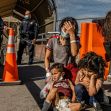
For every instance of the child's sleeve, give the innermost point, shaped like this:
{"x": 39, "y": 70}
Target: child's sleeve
{"x": 44, "y": 92}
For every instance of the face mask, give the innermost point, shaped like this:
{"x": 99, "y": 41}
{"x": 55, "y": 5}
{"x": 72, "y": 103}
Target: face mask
{"x": 64, "y": 34}
{"x": 27, "y": 17}
{"x": 61, "y": 78}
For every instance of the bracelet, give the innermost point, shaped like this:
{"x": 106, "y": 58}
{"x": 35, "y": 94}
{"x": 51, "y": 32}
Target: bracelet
{"x": 73, "y": 41}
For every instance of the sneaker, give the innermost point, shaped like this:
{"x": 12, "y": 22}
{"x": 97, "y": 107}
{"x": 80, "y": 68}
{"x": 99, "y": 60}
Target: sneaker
{"x": 98, "y": 107}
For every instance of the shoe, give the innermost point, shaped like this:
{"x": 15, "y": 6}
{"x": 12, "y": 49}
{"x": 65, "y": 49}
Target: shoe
{"x": 18, "y": 63}
{"x": 30, "y": 63}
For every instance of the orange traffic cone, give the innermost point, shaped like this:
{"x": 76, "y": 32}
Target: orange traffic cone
{"x": 10, "y": 74}
{"x": 92, "y": 40}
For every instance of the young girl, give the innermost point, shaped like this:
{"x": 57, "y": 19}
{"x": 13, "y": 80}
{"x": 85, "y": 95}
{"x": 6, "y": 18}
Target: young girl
{"x": 89, "y": 79}
{"x": 61, "y": 91}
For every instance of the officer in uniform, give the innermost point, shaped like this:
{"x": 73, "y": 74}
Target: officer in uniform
{"x": 1, "y": 30}
{"x": 28, "y": 34}
{"x": 1, "y": 37}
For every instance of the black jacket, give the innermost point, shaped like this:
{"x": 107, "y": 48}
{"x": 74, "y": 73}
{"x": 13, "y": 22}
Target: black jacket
{"x": 28, "y": 28}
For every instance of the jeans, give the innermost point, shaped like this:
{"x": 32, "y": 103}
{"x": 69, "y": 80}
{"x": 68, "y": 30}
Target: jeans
{"x": 82, "y": 95}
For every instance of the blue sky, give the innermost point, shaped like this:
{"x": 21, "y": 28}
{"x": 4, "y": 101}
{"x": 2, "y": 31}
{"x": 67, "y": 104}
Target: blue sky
{"x": 83, "y": 8}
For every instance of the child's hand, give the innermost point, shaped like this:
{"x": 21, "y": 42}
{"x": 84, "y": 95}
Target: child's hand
{"x": 94, "y": 76}
{"x": 48, "y": 79}
{"x": 85, "y": 83}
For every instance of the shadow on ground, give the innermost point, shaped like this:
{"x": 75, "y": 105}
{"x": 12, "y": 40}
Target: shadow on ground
{"x": 29, "y": 74}
{"x": 35, "y": 92}
{"x": 107, "y": 87}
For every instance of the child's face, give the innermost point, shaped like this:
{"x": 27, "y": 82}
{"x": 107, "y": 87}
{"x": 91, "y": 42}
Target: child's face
{"x": 85, "y": 73}
{"x": 56, "y": 74}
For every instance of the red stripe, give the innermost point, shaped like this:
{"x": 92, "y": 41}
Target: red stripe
{"x": 49, "y": 48}
{"x": 55, "y": 36}
{"x": 11, "y": 45}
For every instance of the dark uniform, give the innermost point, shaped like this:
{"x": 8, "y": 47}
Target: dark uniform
{"x": 1, "y": 37}
{"x": 28, "y": 32}
{"x": 1, "y": 30}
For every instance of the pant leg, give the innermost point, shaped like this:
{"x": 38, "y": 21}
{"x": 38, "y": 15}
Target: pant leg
{"x": 31, "y": 52}
{"x": 81, "y": 93}
{"x": 46, "y": 106}
{"x": 1, "y": 38}
{"x": 0, "y": 47}
{"x": 22, "y": 45}
{"x": 99, "y": 96}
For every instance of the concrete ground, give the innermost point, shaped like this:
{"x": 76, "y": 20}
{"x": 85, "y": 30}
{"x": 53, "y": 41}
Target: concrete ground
{"x": 24, "y": 97}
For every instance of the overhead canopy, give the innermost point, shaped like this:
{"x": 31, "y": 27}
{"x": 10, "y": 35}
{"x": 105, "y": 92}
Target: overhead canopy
{"x": 6, "y": 7}
{"x": 42, "y": 10}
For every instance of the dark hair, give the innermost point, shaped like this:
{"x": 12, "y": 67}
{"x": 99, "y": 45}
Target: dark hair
{"x": 93, "y": 62}
{"x": 106, "y": 29}
{"x": 72, "y": 20}
{"x": 58, "y": 66}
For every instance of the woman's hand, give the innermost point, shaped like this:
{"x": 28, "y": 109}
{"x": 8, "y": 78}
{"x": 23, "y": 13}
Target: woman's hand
{"x": 69, "y": 27}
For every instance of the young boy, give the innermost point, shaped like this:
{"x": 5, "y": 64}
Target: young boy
{"x": 61, "y": 91}
{"x": 89, "y": 79}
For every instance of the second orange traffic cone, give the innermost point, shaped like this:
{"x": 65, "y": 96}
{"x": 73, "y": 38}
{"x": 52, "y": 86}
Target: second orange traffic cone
{"x": 92, "y": 40}
{"x": 10, "y": 74}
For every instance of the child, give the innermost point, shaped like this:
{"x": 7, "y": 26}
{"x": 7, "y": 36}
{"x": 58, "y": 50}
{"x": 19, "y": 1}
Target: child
{"x": 61, "y": 91}
{"x": 89, "y": 79}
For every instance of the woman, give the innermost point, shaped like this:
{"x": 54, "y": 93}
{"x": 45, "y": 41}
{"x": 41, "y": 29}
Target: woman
{"x": 64, "y": 47}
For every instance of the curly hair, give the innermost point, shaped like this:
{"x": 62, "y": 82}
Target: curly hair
{"x": 72, "y": 20}
{"x": 93, "y": 62}
{"x": 106, "y": 29}
{"x": 58, "y": 66}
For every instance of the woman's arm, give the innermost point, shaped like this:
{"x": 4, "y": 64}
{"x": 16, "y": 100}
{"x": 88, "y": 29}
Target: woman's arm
{"x": 47, "y": 59}
{"x": 73, "y": 44}
{"x": 71, "y": 30}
